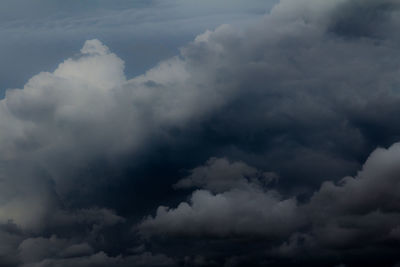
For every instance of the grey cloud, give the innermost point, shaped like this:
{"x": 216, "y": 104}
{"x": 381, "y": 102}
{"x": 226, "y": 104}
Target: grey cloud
{"x": 238, "y": 208}
{"x": 102, "y": 259}
{"x": 373, "y": 188}
{"x": 354, "y": 215}
{"x": 84, "y": 109}
{"x": 55, "y": 251}
{"x": 357, "y": 214}
{"x": 219, "y": 175}
{"x": 349, "y": 22}
{"x": 289, "y": 95}
{"x": 362, "y": 209}
{"x": 37, "y": 249}
{"x": 22, "y": 242}
{"x": 233, "y": 213}
{"x": 10, "y": 237}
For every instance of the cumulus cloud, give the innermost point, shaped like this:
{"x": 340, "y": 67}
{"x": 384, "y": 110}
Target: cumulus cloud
{"x": 235, "y": 206}
{"x": 220, "y": 175}
{"x": 228, "y": 214}
{"x": 86, "y": 110}
{"x": 359, "y": 209}
{"x": 299, "y": 94}
{"x": 355, "y": 213}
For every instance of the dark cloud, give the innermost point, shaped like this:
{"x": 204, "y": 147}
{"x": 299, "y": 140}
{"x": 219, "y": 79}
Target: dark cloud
{"x": 102, "y": 259}
{"x": 363, "y": 19}
{"x": 303, "y": 96}
{"x": 341, "y": 220}
{"x": 219, "y": 175}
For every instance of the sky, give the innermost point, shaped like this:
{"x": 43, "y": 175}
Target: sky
{"x": 38, "y": 35}
{"x": 199, "y": 133}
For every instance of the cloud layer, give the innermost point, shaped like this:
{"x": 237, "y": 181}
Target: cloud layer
{"x": 342, "y": 219}
{"x": 304, "y": 96}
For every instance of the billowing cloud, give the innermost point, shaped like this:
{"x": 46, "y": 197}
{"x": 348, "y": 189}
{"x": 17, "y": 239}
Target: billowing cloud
{"x": 230, "y": 213}
{"x": 365, "y": 208}
{"x": 305, "y": 95}
{"x": 219, "y": 175}
{"x": 240, "y": 208}
{"x": 353, "y": 215}
{"x": 36, "y": 36}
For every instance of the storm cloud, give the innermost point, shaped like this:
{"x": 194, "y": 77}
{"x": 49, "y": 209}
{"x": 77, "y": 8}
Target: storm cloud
{"x": 282, "y": 136}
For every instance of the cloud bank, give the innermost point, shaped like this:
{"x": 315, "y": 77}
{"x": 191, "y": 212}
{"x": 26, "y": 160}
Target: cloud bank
{"x": 304, "y": 96}
{"x": 342, "y": 219}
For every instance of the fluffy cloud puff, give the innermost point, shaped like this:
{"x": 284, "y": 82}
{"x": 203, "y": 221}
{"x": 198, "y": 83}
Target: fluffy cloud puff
{"x": 359, "y": 209}
{"x": 84, "y": 110}
{"x": 219, "y": 175}
{"x": 49, "y": 132}
{"x": 240, "y": 208}
{"x": 356, "y": 214}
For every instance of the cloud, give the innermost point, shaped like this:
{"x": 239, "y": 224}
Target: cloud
{"x": 219, "y": 175}
{"x": 102, "y": 259}
{"x": 299, "y": 95}
{"x": 233, "y": 202}
{"x": 364, "y": 208}
{"x": 34, "y": 140}
{"x": 234, "y": 213}
{"x": 54, "y": 251}
{"x": 85, "y": 110}
{"x": 37, "y": 36}
{"x": 36, "y": 249}
{"x": 373, "y": 23}
{"x": 356, "y": 214}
